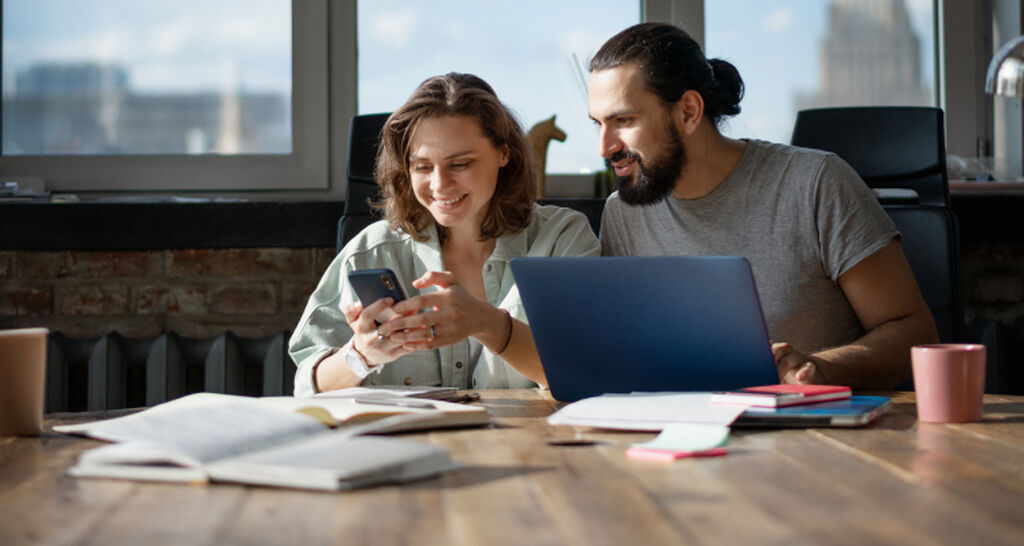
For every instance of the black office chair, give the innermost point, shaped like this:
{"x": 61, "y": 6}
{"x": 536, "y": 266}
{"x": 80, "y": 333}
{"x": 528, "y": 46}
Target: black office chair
{"x": 363, "y": 138}
{"x": 902, "y": 147}
{"x": 889, "y": 146}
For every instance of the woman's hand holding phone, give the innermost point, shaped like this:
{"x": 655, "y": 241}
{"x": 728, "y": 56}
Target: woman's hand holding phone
{"x": 449, "y": 315}
{"x": 376, "y": 349}
{"x": 390, "y": 326}
{"x": 378, "y": 290}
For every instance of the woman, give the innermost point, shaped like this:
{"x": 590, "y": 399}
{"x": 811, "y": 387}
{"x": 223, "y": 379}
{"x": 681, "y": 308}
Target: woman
{"x": 458, "y": 184}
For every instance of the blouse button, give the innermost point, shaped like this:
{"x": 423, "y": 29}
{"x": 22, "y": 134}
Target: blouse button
{"x": 408, "y": 381}
{"x": 488, "y": 268}
{"x": 458, "y": 364}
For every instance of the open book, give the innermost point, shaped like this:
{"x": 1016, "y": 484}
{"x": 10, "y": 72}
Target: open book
{"x": 279, "y": 441}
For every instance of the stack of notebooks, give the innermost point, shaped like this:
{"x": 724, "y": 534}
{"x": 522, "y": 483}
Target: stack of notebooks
{"x": 802, "y": 406}
{"x": 310, "y": 443}
{"x": 770, "y": 406}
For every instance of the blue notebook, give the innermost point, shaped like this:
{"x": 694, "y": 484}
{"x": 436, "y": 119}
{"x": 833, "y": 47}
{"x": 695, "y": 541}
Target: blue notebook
{"x": 858, "y": 410}
{"x": 642, "y": 324}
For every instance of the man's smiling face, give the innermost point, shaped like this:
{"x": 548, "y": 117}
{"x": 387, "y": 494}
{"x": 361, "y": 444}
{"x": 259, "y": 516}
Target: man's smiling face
{"x": 638, "y": 138}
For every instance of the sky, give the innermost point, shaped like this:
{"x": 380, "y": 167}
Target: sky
{"x": 533, "y": 53}
{"x": 182, "y": 45}
{"x": 525, "y": 52}
{"x": 775, "y": 45}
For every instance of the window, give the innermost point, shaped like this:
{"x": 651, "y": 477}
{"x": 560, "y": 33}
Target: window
{"x": 189, "y": 95}
{"x": 533, "y": 52}
{"x": 294, "y": 146}
{"x": 122, "y": 77}
{"x": 816, "y": 53}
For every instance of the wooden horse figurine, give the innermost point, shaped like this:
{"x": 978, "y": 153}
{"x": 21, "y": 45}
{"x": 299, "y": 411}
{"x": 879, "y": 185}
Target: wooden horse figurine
{"x": 539, "y": 135}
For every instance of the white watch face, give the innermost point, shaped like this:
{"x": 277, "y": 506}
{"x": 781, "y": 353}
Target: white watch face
{"x": 356, "y": 363}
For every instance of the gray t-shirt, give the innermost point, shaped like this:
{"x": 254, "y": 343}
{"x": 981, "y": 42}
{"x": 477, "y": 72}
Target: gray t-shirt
{"x": 801, "y": 217}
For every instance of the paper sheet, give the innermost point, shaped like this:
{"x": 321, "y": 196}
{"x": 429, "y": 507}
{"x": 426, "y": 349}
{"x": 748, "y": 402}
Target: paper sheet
{"x": 689, "y": 437}
{"x": 645, "y": 411}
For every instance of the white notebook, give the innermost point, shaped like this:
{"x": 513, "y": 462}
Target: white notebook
{"x": 288, "y": 443}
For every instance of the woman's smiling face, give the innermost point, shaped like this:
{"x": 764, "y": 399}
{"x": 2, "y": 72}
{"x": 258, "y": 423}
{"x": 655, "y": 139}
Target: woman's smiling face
{"x": 453, "y": 168}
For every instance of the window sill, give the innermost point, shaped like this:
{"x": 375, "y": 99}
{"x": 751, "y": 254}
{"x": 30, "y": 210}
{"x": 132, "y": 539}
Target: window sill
{"x": 138, "y": 226}
{"x": 984, "y": 216}
{"x": 142, "y": 226}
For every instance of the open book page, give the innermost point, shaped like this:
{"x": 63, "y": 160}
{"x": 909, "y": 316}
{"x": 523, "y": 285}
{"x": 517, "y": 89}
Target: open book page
{"x": 645, "y": 411}
{"x": 352, "y": 411}
{"x": 335, "y": 460}
{"x": 145, "y": 461}
{"x": 128, "y": 469}
{"x": 184, "y": 439}
{"x": 199, "y": 428}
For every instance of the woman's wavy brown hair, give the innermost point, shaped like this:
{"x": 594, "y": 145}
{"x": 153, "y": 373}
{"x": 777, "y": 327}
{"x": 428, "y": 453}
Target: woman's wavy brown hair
{"x": 455, "y": 94}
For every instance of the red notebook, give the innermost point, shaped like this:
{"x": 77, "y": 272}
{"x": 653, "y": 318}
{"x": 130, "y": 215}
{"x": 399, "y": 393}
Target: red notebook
{"x": 777, "y": 396}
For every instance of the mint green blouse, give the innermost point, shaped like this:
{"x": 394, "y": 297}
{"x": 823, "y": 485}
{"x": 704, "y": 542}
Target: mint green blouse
{"x": 553, "y": 231}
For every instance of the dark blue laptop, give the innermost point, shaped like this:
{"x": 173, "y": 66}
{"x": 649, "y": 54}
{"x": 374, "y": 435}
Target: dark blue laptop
{"x": 625, "y": 324}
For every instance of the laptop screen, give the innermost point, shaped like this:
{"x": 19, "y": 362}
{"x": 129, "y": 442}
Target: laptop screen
{"x": 625, "y": 324}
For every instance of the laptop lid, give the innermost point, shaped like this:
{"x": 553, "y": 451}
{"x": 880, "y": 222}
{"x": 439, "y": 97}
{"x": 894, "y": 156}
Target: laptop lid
{"x": 625, "y": 324}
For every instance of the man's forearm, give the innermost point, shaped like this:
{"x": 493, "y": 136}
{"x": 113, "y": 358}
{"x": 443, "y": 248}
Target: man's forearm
{"x": 878, "y": 360}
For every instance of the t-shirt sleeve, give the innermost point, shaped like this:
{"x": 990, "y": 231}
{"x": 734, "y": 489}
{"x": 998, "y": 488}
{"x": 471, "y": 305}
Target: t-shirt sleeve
{"x": 851, "y": 223}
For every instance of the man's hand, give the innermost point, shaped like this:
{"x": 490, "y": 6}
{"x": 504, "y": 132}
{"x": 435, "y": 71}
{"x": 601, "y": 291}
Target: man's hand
{"x": 793, "y": 366}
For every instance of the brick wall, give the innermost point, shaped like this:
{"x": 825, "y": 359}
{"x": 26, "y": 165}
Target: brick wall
{"x": 253, "y": 292}
{"x": 262, "y": 291}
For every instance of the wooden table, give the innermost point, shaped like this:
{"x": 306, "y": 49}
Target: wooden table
{"x": 895, "y": 481}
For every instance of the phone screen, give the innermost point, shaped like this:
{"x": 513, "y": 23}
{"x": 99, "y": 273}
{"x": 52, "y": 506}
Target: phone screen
{"x": 375, "y": 284}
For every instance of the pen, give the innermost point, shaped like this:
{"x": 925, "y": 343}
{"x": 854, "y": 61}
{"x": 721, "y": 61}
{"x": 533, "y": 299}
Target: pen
{"x": 401, "y": 403}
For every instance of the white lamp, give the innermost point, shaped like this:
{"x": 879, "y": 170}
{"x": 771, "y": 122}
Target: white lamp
{"x": 1006, "y": 71}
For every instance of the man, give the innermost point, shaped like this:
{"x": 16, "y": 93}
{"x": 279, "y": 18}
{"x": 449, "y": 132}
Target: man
{"x": 838, "y": 294}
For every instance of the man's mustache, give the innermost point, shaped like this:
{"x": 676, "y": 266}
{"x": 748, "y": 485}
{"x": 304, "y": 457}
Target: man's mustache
{"x": 619, "y": 156}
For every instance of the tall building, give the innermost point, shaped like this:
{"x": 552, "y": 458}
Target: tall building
{"x": 870, "y": 55}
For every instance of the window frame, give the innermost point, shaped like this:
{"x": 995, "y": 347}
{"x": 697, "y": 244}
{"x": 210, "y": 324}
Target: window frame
{"x": 305, "y": 168}
{"x": 963, "y": 48}
{"x": 324, "y": 79}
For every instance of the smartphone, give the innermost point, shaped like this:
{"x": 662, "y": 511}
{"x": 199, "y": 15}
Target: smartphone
{"x": 375, "y": 284}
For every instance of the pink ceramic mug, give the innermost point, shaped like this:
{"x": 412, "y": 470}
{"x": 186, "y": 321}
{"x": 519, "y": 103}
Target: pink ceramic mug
{"x": 949, "y": 380}
{"x": 22, "y": 381}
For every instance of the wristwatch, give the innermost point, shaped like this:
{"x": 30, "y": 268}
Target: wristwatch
{"x": 356, "y": 364}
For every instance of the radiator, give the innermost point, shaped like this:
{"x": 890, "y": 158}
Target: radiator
{"x": 113, "y": 372}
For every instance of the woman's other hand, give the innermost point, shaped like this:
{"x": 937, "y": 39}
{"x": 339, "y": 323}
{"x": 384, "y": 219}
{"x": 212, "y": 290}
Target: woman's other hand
{"x": 450, "y": 315}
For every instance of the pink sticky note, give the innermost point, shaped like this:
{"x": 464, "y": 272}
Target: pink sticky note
{"x": 667, "y": 455}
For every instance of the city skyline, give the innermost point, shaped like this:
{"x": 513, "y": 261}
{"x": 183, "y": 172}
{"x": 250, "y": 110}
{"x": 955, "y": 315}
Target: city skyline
{"x": 91, "y": 108}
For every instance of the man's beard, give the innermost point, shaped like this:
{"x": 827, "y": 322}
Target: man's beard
{"x": 652, "y": 183}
